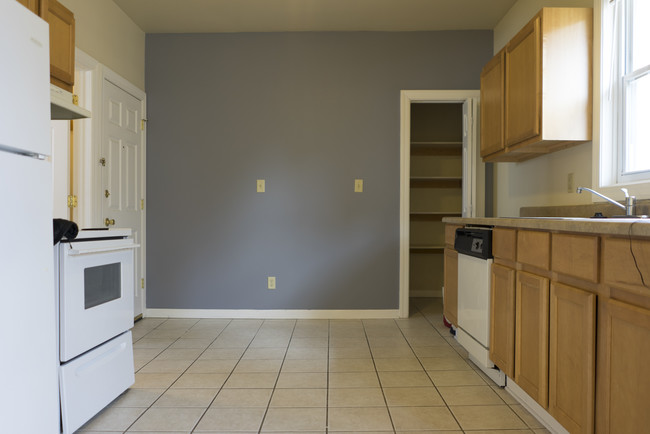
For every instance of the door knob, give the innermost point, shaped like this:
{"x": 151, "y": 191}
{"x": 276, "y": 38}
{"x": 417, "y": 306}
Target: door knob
{"x": 109, "y": 222}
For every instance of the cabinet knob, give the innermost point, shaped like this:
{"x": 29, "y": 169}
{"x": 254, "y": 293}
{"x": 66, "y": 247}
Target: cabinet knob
{"x": 109, "y": 222}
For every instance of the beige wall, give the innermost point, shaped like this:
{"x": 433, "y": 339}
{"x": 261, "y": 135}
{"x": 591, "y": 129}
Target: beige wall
{"x": 541, "y": 181}
{"x": 107, "y": 34}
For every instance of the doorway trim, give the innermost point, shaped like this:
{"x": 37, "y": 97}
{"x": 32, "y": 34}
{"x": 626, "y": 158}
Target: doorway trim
{"x": 90, "y": 76}
{"x": 107, "y": 74}
{"x": 434, "y": 96}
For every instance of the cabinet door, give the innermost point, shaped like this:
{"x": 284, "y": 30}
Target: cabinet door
{"x": 531, "y": 336}
{"x": 492, "y": 82}
{"x": 450, "y": 309}
{"x": 572, "y": 356}
{"x": 523, "y": 85}
{"x": 502, "y": 319}
{"x": 61, "y": 22}
{"x": 32, "y": 5}
{"x": 623, "y": 369}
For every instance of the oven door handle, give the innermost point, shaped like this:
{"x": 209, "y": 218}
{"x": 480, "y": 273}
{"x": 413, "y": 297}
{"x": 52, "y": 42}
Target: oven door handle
{"x": 78, "y": 252}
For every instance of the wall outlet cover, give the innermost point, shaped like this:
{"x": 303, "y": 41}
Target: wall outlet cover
{"x": 271, "y": 282}
{"x": 261, "y": 185}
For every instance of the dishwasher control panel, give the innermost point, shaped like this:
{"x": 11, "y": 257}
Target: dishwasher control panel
{"x": 475, "y": 242}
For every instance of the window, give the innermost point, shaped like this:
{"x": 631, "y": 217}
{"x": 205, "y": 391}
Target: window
{"x": 626, "y": 90}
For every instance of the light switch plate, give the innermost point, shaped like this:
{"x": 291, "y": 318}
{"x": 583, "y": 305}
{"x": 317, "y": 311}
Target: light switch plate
{"x": 358, "y": 185}
{"x": 271, "y": 282}
{"x": 261, "y": 186}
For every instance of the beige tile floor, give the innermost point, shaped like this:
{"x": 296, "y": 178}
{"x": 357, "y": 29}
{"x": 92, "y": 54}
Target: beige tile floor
{"x": 308, "y": 376}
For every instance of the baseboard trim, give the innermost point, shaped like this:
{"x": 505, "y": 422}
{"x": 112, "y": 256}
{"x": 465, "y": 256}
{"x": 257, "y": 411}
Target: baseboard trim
{"x": 436, "y": 293}
{"x": 273, "y": 313}
{"x": 534, "y": 408}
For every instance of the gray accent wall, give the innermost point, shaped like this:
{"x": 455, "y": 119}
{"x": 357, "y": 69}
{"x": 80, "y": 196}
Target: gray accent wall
{"x": 309, "y": 113}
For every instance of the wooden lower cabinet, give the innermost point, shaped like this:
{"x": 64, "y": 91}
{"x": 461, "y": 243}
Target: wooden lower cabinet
{"x": 572, "y": 355}
{"x": 502, "y": 319}
{"x": 450, "y": 309}
{"x": 623, "y": 384}
{"x": 531, "y": 336}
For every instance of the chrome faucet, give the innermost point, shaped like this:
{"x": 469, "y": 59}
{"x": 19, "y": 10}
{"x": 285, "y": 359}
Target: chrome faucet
{"x": 630, "y": 201}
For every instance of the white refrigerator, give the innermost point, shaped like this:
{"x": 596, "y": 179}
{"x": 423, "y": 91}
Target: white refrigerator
{"x": 28, "y": 361}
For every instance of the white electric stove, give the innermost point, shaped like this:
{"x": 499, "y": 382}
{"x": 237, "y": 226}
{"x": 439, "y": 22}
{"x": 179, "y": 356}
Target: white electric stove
{"x": 95, "y": 289}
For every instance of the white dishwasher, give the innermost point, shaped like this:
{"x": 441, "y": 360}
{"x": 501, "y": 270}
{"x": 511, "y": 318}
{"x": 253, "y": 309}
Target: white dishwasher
{"x": 474, "y": 247}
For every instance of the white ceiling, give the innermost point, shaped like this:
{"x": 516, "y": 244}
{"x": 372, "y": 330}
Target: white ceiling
{"x": 207, "y": 16}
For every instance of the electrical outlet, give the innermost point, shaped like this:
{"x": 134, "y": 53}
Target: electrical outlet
{"x": 271, "y": 282}
{"x": 358, "y": 185}
{"x": 570, "y": 185}
{"x": 261, "y": 186}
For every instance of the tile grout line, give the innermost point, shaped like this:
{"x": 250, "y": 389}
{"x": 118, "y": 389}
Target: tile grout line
{"x": 327, "y": 378}
{"x": 182, "y": 373}
{"x": 403, "y": 328}
{"x": 474, "y": 370}
{"x": 427, "y": 372}
{"x": 381, "y": 386}
{"x": 227, "y": 376}
{"x": 168, "y": 387}
{"x": 277, "y": 378}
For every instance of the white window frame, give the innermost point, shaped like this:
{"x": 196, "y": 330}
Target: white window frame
{"x": 608, "y": 128}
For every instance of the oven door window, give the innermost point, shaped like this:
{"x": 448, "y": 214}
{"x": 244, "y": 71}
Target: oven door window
{"x": 102, "y": 284}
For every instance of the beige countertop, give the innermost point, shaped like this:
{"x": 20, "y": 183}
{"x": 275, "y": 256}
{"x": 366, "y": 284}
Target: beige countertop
{"x": 608, "y": 226}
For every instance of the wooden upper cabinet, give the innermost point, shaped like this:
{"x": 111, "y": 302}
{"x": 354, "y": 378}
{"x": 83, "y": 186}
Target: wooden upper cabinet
{"x": 61, "y": 21}
{"x": 523, "y": 87}
{"x": 492, "y": 94}
{"x": 32, "y": 5}
{"x": 547, "y": 81}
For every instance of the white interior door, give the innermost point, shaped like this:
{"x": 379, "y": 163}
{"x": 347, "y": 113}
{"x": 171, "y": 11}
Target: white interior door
{"x": 122, "y": 156}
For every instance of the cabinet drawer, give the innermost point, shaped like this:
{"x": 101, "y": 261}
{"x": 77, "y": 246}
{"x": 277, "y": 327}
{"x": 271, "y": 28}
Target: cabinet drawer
{"x": 621, "y": 267}
{"x": 575, "y": 255}
{"x": 534, "y": 248}
{"x": 450, "y": 234}
{"x": 91, "y": 381}
{"x": 504, "y": 243}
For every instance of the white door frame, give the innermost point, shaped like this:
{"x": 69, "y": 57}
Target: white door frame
{"x": 470, "y": 156}
{"x": 88, "y": 137}
{"x": 88, "y": 88}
